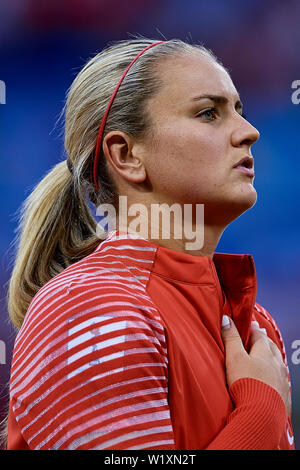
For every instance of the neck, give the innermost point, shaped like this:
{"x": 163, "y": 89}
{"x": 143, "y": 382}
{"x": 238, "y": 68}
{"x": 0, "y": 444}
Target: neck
{"x": 171, "y": 226}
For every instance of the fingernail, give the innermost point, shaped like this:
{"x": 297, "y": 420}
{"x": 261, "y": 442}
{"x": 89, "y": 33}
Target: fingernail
{"x": 225, "y": 322}
{"x": 263, "y": 330}
{"x": 255, "y": 323}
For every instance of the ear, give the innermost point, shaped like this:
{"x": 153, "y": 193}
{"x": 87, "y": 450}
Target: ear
{"x": 121, "y": 152}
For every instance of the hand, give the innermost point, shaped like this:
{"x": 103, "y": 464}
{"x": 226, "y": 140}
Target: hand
{"x": 264, "y": 361}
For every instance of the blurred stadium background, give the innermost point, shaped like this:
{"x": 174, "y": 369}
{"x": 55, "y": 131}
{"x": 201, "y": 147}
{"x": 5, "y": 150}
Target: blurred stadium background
{"x": 43, "y": 44}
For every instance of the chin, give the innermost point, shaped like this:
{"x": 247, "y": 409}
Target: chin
{"x": 242, "y": 203}
{"x": 249, "y": 198}
{"x": 225, "y": 211}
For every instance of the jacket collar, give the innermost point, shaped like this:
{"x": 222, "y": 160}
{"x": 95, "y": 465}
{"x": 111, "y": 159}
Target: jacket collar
{"x": 233, "y": 275}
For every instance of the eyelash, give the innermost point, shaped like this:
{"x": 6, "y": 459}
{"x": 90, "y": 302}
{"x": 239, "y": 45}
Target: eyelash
{"x": 214, "y": 110}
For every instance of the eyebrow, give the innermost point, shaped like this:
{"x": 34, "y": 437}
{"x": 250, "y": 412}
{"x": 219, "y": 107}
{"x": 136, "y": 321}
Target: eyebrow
{"x": 217, "y": 99}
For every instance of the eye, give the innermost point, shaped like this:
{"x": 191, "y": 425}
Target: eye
{"x": 242, "y": 114}
{"x": 208, "y": 114}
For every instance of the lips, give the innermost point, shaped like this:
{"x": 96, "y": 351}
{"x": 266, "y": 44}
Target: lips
{"x": 245, "y": 165}
{"x": 246, "y": 162}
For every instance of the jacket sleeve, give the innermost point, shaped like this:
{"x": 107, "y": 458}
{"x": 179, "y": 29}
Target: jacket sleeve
{"x": 259, "y": 420}
{"x": 90, "y": 372}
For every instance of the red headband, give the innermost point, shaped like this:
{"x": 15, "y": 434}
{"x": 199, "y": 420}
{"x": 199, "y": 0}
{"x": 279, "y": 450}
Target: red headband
{"x": 103, "y": 122}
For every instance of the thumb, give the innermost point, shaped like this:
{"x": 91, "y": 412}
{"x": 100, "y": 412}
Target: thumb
{"x": 231, "y": 338}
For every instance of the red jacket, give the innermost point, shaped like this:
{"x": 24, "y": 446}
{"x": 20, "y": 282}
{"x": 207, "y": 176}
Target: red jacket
{"x": 123, "y": 350}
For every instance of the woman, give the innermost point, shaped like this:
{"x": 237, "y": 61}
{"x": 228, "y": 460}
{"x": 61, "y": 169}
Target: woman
{"x": 145, "y": 341}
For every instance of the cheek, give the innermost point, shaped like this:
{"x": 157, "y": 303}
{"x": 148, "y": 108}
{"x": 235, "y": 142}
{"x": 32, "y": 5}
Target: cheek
{"x": 187, "y": 157}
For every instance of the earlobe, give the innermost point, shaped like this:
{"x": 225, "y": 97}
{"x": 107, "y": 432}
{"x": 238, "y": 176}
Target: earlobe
{"x": 118, "y": 150}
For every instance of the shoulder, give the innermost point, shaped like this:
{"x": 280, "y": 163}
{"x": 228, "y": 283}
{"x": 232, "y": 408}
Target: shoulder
{"x": 87, "y": 303}
{"x": 91, "y": 338}
{"x": 90, "y": 285}
{"x": 81, "y": 313}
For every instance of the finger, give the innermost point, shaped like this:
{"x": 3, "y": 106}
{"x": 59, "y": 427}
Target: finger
{"x": 231, "y": 337}
{"x": 272, "y": 346}
{"x": 258, "y": 338}
{"x": 276, "y": 351}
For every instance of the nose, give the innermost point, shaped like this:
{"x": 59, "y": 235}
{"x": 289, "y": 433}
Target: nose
{"x": 244, "y": 133}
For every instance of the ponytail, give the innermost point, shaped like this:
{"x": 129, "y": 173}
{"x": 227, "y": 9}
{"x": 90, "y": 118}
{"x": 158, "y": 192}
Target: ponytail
{"x": 56, "y": 229}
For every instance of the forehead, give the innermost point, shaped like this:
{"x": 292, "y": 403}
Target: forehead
{"x": 186, "y": 76}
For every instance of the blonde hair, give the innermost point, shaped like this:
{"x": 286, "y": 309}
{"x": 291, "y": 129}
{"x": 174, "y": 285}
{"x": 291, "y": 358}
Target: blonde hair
{"x": 56, "y": 226}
